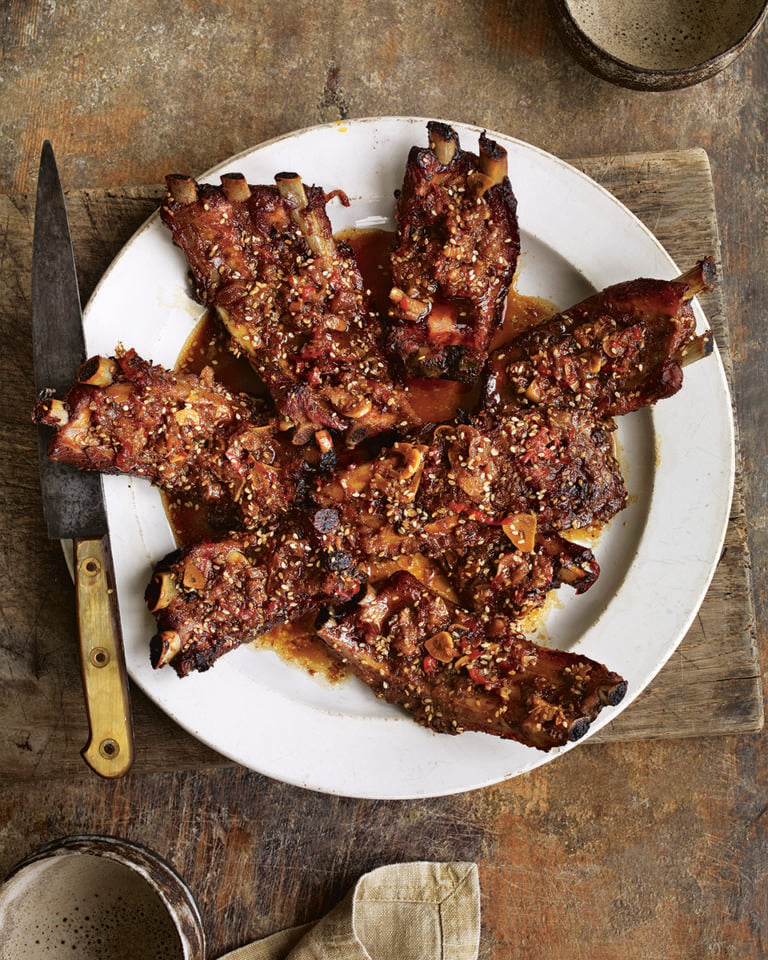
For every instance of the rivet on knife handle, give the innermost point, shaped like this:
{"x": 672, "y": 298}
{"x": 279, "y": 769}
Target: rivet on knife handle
{"x": 109, "y": 752}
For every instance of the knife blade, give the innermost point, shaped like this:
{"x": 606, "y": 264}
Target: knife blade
{"x": 73, "y": 500}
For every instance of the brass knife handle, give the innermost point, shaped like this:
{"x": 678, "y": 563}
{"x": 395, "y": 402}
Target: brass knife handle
{"x": 109, "y": 751}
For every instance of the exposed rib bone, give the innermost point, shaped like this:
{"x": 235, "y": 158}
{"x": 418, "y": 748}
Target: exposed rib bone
{"x": 51, "y": 412}
{"x": 161, "y": 591}
{"x": 235, "y": 187}
{"x": 492, "y": 159}
{"x": 319, "y": 239}
{"x": 98, "y": 371}
{"x": 699, "y": 279}
{"x": 182, "y": 189}
{"x": 696, "y": 349}
{"x": 164, "y": 647}
{"x": 443, "y": 141}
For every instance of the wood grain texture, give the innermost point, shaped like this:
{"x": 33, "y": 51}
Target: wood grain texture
{"x": 711, "y": 685}
{"x": 652, "y": 849}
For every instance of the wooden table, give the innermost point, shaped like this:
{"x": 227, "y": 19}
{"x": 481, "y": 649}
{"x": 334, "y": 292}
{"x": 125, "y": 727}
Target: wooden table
{"x": 640, "y": 848}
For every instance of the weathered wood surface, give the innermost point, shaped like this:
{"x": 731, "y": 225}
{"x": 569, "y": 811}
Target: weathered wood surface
{"x": 641, "y": 850}
{"x": 711, "y": 685}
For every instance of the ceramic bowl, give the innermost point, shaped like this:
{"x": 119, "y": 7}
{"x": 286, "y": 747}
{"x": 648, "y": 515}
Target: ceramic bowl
{"x": 94, "y": 897}
{"x": 658, "y": 44}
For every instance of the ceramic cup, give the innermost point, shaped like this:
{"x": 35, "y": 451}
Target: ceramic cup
{"x": 98, "y": 897}
{"x": 658, "y": 44}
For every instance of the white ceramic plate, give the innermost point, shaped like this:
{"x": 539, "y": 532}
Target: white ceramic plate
{"x": 657, "y": 557}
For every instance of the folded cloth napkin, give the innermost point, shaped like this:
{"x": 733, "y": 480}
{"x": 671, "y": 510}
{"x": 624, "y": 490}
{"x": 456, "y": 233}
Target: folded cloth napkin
{"x": 406, "y": 911}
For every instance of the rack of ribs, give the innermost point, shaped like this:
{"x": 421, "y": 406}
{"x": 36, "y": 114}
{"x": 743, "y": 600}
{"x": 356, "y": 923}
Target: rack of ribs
{"x": 476, "y": 507}
{"x": 211, "y": 597}
{"x": 479, "y": 505}
{"x": 292, "y": 301}
{"x": 214, "y": 596}
{"x": 538, "y": 471}
{"x": 619, "y": 350}
{"x": 454, "y": 672}
{"x": 455, "y": 253}
{"x": 497, "y": 576}
{"x": 187, "y": 434}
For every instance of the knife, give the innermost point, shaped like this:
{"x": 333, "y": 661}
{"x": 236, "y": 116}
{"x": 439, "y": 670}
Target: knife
{"x": 73, "y": 500}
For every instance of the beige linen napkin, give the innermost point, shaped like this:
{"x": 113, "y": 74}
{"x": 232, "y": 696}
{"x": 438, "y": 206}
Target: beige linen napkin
{"x": 406, "y": 911}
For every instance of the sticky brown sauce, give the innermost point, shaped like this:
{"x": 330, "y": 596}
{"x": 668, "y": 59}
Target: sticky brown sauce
{"x": 434, "y": 400}
{"x": 298, "y": 644}
{"x": 437, "y": 400}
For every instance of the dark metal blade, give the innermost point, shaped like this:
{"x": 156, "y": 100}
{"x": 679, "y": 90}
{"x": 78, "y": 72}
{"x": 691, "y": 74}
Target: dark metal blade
{"x": 72, "y": 500}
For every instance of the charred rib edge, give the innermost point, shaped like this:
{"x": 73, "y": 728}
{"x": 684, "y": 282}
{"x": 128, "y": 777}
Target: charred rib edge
{"x": 443, "y": 141}
{"x": 612, "y": 696}
{"x": 699, "y": 279}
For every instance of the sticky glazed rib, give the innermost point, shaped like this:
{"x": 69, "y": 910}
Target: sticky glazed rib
{"x": 212, "y": 597}
{"x": 617, "y": 351}
{"x": 539, "y": 471}
{"x": 499, "y": 577}
{"x": 187, "y": 434}
{"x": 453, "y": 673}
{"x": 454, "y": 257}
{"x": 292, "y": 301}
{"x": 496, "y": 577}
{"x": 484, "y": 504}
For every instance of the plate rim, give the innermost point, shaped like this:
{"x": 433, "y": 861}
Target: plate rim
{"x": 413, "y": 122}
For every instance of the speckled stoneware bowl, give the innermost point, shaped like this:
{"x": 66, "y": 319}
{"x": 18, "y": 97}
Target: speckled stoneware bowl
{"x": 98, "y": 897}
{"x": 658, "y": 44}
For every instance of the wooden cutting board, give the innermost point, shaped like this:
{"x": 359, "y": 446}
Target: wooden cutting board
{"x": 710, "y": 686}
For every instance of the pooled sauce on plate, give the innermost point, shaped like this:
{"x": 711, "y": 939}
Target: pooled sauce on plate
{"x": 435, "y": 400}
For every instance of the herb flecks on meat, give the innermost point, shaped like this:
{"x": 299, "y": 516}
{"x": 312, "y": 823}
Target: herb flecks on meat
{"x": 190, "y": 436}
{"x": 619, "y": 350}
{"x": 452, "y": 672}
{"x": 292, "y": 301}
{"x": 454, "y": 256}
